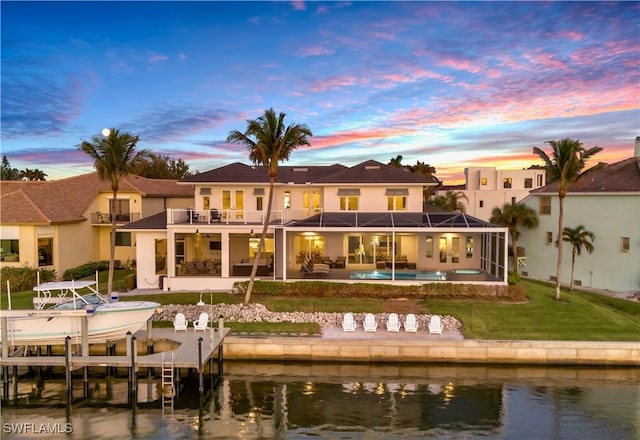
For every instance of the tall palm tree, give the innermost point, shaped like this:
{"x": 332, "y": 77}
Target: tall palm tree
{"x": 565, "y": 165}
{"x": 579, "y": 238}
{"x": 512, "y": 216}
{"x": 114, "y": 156}
{"x": 396, "y": 161}
{"x": 269, "y": 142}
{"x": 450, "y": 201}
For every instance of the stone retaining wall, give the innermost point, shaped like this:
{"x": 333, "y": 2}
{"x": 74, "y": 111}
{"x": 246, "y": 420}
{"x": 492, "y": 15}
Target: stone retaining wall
{"x": 479, "y": 352}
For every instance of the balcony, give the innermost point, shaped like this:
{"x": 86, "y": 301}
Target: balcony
{"x": 236, "y": 216}
{"x": 101, "y": 218}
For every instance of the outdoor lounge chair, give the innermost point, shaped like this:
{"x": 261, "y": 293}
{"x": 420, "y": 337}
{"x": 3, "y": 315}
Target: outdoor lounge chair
{"x": 435, "y": 325}
{"x": 180, "y": 322}
{"x": 393, "y": 323}
{"x": 410, "y": 323}
{"x": 314, "y": 270}
{"x": 348, "y": 323}
{"x": 370, "y": 324}
{"x": 201, "y": 323}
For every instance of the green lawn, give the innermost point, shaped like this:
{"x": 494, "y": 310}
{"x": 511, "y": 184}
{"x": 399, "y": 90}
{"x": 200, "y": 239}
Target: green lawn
{"x": 578, "y": 316}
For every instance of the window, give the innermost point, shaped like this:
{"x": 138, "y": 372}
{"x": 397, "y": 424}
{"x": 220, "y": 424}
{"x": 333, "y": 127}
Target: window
{"x": 482, "y": 203}
{"x": 528, "y": 182}
{"x": 624, "y": 244}
{"x": 348, "y": 203}
{"x": 545, "y": 205}
{"x": 539, "y": 180}
{"x": 469, "y": 247}
{"x": 506, "y": 182}
{"x": 122, "y": 210}
{"x": 287, "y": 199}
{"x": 396, "y": 203}
{"x": 45, "y": 251}
{"x": 483, "y": 181}
{"x": 548, "y": 237}
{"x": 161, "y": 255}
{"x": 311, "y": 200}
{"x": 10, "y": 250}
{"x": 455, "y": 249}
{"x": 442, "y": 247}
{"x": 513, "y": 200}
{"x": 259, "y": 203}
{"x": 123, "y": 238}
{"x": 206, "y": 204}
{"x": 428, "y": 253}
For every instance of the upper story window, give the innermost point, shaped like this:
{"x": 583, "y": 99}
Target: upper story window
{"x": 311, "y": 200}
{"x": 481, "y": 203}
{"x": 287, "y": 199}
{"x": 507, "y": 183}
{"x": 624, "y": 244}
{"x": 349, "y": 203}
{"x": 483, "y": 181}
{"x": 539, "y": 180}
{"x": 548, "y": 237}
{"x": 545, "y": 205}
{"x": 397, "y": 199}
{"x": 528, "y": 182}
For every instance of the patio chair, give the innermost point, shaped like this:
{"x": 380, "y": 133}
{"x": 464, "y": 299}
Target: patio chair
{"x": 214, "y": 216}
{"x": 348, "y": 323}
{"x": 435, "y": 325}
{"x": 180, "y": 322}
{"x": 370, "y": 324}
{"x": 410, "y": 323}
{"x": 340, "y": 262}
{"x": 393, "y": 323}
{"x": 201, "y": 323}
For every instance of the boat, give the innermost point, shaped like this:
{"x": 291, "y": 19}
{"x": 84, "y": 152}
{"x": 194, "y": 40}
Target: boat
{"x": 59, "y": 311}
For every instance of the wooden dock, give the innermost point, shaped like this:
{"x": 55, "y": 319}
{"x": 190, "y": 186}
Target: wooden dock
{"x": 191, "y": 352}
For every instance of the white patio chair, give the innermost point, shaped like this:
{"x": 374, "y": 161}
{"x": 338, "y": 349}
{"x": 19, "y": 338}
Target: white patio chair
{"x": 435, "y": 325}
{"x": 410, "y": 323}
{"x": 393, "y": 323}
{"x": 201, "y": 323}
{"x": 348, "y": 323}
{"x": 370, "y": 324}
{"x": 180, "y": 322}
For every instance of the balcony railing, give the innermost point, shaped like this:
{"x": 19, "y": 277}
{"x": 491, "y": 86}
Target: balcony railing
{"x": 237, "y": 216}
{"x": 102, "y": 218}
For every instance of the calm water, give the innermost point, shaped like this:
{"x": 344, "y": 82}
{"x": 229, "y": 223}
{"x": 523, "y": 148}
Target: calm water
{"x": 326, "y": 401}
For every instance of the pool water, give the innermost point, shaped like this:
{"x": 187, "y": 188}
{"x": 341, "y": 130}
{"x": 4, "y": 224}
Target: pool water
{"x": 426, "y": 275}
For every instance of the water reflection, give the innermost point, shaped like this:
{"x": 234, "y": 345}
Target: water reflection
{"x": 255, "y": 401}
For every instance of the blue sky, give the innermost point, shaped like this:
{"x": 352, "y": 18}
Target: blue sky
{"x": 450, "y": 84}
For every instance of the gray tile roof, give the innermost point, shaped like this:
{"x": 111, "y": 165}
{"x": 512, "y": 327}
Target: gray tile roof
{"x": 366, "y": 172}
{"x": 392, "y": 219}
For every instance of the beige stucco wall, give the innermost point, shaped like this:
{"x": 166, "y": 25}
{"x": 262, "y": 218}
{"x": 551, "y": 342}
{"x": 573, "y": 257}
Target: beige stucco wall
{"x": 609, "y": 217}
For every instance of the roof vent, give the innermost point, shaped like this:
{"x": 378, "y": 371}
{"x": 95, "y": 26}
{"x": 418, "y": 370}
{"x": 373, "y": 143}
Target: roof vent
{"x": 300, "y": 169}
{"x": 372, "y": 167}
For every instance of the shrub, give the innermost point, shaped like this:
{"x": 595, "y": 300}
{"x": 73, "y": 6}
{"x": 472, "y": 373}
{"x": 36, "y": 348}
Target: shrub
{"x": 24, "y": 278}
{"x": 513, "y": 278}
{"x": 475, "y": 291}
{"x": 85, "y": 270}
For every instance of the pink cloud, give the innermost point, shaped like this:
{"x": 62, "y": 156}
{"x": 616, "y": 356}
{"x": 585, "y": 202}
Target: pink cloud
{"x": 157, "y": 58}
{"x": 299, "y": 5}
{"x": 314, "y": 51}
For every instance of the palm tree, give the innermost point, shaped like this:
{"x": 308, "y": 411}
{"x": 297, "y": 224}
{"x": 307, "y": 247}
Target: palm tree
{"x": 114, "y": 156}
{"x": 568, "y": 159}
{"x": 579, "y": 238}
{"x": 396, "y": 161}
{"x": 269, "y": 142}
{"x": 450, "y": 201}
{"x": 513, "y": 216}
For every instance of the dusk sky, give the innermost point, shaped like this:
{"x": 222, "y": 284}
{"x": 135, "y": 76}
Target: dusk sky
{"x": 450, "y": 84}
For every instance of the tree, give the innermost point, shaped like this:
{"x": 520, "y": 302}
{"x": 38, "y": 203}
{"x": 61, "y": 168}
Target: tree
{"x": 114, "y": 156}
{"x": 422, "y": 169}
{"x": 7, "y": 172}
{"x": 32, "y": 175}
{"x": 396, "y": 161}
{"x": 565, "y": 165}
{"x": 450, "y": 201}
{"x": 269, "y": 142}
{"x": 579, "y": 238}
{"x": 161, "y": 167}
{"x": 512, "y": 216}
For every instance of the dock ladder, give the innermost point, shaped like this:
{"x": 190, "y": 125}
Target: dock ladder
{"x": 168, "y": 386}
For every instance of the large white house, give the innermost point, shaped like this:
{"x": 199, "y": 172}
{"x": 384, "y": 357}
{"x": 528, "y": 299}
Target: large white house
{"x": 364, "y": 222}
{"x": 607, "y": 202}
{"x": 486, "y": 188}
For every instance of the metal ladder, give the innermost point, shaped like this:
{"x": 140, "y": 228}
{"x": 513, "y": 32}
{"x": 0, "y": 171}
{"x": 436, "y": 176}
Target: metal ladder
{"x": 168, "y": 387}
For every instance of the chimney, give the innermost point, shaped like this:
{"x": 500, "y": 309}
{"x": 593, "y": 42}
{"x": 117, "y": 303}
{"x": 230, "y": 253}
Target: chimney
{"x": 637, "y": 149}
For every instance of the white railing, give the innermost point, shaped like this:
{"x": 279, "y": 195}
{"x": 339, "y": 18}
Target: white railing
{"x": 237, "y": 216}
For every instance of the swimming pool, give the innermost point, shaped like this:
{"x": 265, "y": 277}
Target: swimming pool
{"x": 427, "y": 275}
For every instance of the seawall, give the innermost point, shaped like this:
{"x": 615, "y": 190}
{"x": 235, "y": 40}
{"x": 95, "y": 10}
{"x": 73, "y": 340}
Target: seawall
{"x": 315, "y": 349}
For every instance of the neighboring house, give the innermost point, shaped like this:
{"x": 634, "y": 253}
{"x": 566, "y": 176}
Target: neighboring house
{"x": 63, "y": 223}
{"x": 488, "y": 187}
{"x": 607, "y": 202}
{"x": 366, "y": 222}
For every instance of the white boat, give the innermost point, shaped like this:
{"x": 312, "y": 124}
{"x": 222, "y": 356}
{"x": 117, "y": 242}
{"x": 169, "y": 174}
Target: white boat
{"x": 105, "y": 320}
